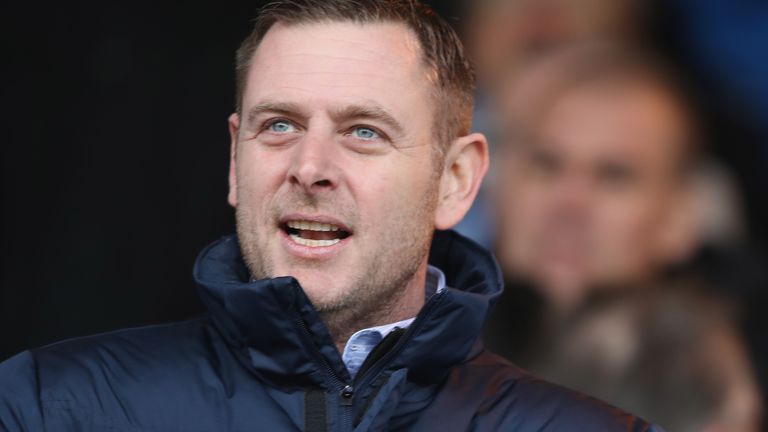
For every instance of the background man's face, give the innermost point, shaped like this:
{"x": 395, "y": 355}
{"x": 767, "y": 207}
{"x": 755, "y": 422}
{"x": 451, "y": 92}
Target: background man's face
{"x": 588, "y": 198}
{"x": 336, "y": 129}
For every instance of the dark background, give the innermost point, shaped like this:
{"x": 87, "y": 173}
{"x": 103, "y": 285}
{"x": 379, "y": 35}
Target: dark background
{"x": 115, "y": 158}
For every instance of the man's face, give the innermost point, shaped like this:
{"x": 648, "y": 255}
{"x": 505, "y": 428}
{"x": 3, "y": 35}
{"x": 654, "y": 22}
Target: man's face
{"x": 588, "y": 198}
{"x": 334, "y": 178}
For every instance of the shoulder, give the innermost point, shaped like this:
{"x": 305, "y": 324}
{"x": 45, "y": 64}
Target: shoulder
{"x": 513, "y": 399}
{"x": 19, "y": 403}
{"x": 127, "y": 340}
{"x": 96, "y": 374}
{"x": 141, "y": 353}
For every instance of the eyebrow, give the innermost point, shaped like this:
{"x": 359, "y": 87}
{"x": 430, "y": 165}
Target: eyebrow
{"x": 372, "y": 112}
{"x": 282, "y": 108}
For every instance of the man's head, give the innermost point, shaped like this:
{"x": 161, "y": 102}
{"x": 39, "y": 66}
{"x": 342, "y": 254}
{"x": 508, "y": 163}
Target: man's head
{"x": 345, "y": 156}
{"x": 593, "y": 192}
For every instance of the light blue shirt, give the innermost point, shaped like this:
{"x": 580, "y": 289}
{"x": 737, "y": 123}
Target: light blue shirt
{"x": 363, "y": 341}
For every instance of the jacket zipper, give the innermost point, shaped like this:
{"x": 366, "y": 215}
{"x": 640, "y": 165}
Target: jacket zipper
{"x": 344, "y": 390}
{"x": 364, "y": 379}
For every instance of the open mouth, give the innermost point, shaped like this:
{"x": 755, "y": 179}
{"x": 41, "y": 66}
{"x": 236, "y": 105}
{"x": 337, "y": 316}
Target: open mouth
{"x": 314, "y": 234}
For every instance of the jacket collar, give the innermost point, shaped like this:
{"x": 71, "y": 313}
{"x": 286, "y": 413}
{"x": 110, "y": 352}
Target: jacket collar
{"x": 273, "y": 328}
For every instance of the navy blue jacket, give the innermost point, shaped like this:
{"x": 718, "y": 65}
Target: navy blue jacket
{"x": 262, "y": 360}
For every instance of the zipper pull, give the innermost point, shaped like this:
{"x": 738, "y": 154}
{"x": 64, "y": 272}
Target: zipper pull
{"x": 346, "y": 395}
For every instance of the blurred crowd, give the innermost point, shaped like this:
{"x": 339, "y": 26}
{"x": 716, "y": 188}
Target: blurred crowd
{"x": 632, "y": 271}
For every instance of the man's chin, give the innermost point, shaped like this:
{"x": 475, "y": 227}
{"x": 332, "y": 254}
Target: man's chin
{"x": 324, "y": 294}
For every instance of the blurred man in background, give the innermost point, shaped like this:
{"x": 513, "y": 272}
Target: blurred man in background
{"x": 597, "y": 191}
{"x": 592, "y": 188}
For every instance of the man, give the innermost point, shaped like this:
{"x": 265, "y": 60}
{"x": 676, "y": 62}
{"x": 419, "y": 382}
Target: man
{"x": 594, "y": 186}
{"x": 598, "y": 192}
{"x": 337, "y": 306}
{"x": 593, "y": 189}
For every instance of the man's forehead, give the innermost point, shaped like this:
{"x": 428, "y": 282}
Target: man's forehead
{"x": 339, "y": 40}
{"x": 623, "y": 119}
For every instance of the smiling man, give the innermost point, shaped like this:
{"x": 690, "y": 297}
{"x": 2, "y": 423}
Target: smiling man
{"x": 341, "y": 304}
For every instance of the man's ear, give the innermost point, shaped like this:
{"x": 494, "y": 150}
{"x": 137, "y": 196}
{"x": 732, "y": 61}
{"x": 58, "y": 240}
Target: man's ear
{"x": 466, "y": 163}
{"x": 234, "y": 127}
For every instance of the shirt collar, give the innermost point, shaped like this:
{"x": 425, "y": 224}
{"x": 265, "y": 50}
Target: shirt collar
{"x": 358, "y": 347}
{"x": 434, "y": 284}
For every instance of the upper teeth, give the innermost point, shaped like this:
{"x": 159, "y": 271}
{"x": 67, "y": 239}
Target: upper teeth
{"x": 312, "y": 226}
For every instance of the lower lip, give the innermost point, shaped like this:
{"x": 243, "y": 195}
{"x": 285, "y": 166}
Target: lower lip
{"x": 316, "y": 252}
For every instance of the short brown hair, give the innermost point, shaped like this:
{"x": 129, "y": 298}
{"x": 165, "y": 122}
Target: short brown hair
{"x": 451, "y": 74}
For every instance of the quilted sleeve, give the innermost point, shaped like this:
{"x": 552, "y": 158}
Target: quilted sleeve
{"x": 19, "y": 401}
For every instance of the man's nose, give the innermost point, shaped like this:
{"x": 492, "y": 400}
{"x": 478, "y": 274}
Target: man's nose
{"x": 571, "y": 196}
{"x": 314, "y": 164}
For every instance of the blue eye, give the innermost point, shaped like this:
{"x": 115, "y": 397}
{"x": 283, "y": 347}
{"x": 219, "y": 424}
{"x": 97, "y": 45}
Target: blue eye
{"x": 281, "y": 126}
{"x": 365, "y": 133}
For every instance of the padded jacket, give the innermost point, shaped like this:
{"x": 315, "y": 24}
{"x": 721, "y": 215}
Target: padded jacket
{"x": 261, "y": 359}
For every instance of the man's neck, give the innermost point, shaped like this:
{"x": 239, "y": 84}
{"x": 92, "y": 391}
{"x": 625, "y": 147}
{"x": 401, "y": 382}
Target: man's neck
{"x": 344, "y": 323}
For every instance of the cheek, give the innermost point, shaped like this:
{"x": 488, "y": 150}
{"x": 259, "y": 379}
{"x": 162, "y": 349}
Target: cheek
{"x": 389, "y": 195}
{"x": 625, "y": 228}
{"x": 528, "y": 207}
{"x": 259, "y": 176}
